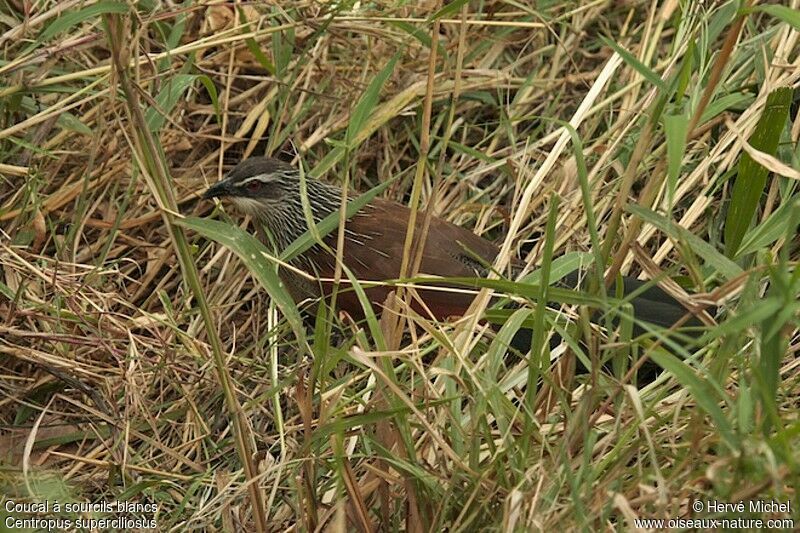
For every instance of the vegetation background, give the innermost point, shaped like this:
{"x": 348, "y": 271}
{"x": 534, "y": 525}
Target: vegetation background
{"x": 142, "y": 360}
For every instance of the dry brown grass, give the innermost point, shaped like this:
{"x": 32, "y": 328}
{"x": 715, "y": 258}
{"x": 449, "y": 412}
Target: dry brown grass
{"x": 108, "y": 387}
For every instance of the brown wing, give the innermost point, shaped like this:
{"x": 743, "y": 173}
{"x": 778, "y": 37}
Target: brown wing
{"x": 374, "y": 241}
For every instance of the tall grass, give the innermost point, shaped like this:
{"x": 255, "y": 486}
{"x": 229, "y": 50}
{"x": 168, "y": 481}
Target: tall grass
{"x": 149, "y": 353}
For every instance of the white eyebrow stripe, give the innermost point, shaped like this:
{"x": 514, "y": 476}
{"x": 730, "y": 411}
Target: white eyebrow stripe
{"x": 263, "y": 178}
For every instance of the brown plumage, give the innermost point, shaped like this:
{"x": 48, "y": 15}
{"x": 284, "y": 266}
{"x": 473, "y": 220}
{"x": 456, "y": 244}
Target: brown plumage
{"x": 373, "y": 251}
{"x": 270, "y": 191}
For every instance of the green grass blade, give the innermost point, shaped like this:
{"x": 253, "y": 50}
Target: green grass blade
{"x": 449, "y": 9}
{"x": 71, "y": 19}
{"x": 422, "y": 36}
{"x": 212, "y": 93}
{"x": 675, "y": 128}
{"x": 167, "y": 99}
{"x": 637, "y": 65}
{"x": 366, "y": 104}
{"x": 704, "y": 393}
{"x": 255, "y": 256}
{"x": 752, "y": 177}
{"x": 369, "y": 313}
{"x": 561, "y": 266}
{"x": 712, "y": 257}
{"x": 784, "y": 13}
{"x": 733, "y": 101}
{"x": 769, "y": 231}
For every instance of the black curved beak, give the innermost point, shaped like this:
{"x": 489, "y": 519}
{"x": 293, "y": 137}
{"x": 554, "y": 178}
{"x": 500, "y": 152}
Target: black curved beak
{"x": 218, "y": 190}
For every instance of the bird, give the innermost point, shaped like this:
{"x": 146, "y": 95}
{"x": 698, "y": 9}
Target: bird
{"x": 269, "y": 190}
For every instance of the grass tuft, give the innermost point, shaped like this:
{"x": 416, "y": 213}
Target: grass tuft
{"x": 141, "y": 359}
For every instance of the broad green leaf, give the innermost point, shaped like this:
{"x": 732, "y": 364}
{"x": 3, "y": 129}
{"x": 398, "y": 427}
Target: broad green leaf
{"x": 538, "y": 359}
{"x": 167, "y": 99}
{"x": 369, "y": 312}
{"x": 675, "y": 127}
{"x": 563, "y": 265}
{"x": 176, "y": 31}
{"x": 468, "y": 150}
{"x": 640, "y": 67}
{"x": 347, "y": 422}
{"x": 685, "y": 75}
{"x": 749, "y": 318}
{"x": 484, "y": 97}
{"x": 721, "y": 19}
{"x": 71, "y": 122}
{"x": 282, "y": 49}
{"x": 727, "y": 268}
{"x": 212, "y": 93}
{"x": 420, "y": 35}
{"x": 73, "y": 18}
{"x": 752, "y": 177}
{"x": 256, "y": 257}
{"x": 253, "y": 46}
{"x": 449, "y": 9}
{"x": 499, "y": 347}
{"x": 785, "y": 13}
{"x": 773, "y": 344}
{"x": 526, "y": 290}
{"x": 6, "y": 291}
{"x": 334, "y": 155}
{"x": 260, "y": 56}
{"x": 704, "y": 393}
{"x": 358, "y": 119}
{"x": 366, "y": 104}
{"x": 729, "y": 101}
{"x": 767, "y": 232}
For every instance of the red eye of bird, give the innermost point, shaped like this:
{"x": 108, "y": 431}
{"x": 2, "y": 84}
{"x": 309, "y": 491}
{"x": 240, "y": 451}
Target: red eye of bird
{"x": 253, "y": 186}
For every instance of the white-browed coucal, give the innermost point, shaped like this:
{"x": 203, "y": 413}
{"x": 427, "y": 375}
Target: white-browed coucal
{"x": 270, "y": 191}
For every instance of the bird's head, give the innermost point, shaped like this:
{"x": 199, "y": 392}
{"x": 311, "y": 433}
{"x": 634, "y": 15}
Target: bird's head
{"x": 258, "y": 185}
